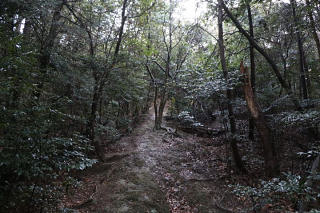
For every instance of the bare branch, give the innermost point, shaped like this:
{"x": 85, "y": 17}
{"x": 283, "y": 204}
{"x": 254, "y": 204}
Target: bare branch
{"x": 264, "y": 54}
{"x": 150, "y": 73}
{"x": 162, "y": 69}
{"x": 200, "y": 27}
{"x": 144, "y": 11}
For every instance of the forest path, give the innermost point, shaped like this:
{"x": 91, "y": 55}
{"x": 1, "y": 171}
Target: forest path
{"x": 155, "y": 171}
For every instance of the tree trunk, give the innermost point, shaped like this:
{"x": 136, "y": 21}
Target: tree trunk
{"x": 95, "y": 102}
{"x": 155, "y": 106}
{"x": 163, "y": 95}
{"x": 270, "y": 161}
{"x": 285, "y": 72}
{"x": 234, "y": 148}
{"x": 92, "y": 123}
{"x": 253, "y": 68}
{"x": 46, "y": 48}
{"x": 100, "y": 82}
{"x": 302, "y": 59}
{"x": 162, "y": 105}
{"x": 313, "y": 27}
{"x": 266, "y": 56}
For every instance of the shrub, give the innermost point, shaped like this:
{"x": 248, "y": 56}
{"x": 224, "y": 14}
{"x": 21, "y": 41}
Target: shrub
{"x": 292, "y": 188}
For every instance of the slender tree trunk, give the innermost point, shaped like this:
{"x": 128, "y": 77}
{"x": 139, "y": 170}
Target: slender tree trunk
{"x": 302, "y": 59}
{"x": 162, "y": 105}
{"x": 266, "y": 56}
{"x": 313, "y": 27}
{"x": 235, "y": 152}
{"x": 270, "y": 161}
{"x": 285, "y": 71}
{"x": 92, "y": 123}
{"x": 46, "y": 49}
{"x": 101, "y": 80}
{"x": 314, "y": 35}
{"x": 100, "y": 110}
{"x": 95, "y": 101}
{"x": 163, "y": 95}
{"x": 253, "y": 68}
{"x": 155, "y": 106}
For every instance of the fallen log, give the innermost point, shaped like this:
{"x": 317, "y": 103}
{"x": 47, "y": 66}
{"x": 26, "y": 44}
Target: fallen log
{"x": 117, "y": 156}
{"x": 201, "y": 131}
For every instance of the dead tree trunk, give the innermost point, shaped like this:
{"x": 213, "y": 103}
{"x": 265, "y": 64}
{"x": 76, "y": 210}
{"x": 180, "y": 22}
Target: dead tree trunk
{"x": 270, "y": 161}
{"x": 234, "y": 148}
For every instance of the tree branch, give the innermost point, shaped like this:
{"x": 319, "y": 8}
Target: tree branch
{"x": 265, "y": 55}
{"x": 162, "y": 69}
{"x": 150, "y": 73}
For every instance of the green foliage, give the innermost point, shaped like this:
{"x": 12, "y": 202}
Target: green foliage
{"x": 34, "y": 151}
{"x": 188, "y": 120}
{"x": 291, "y": 188}
{"x": 310, "y": 118}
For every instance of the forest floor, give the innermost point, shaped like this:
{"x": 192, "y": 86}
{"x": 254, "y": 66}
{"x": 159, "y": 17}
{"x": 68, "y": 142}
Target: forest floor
{"x": 156, "y": 171}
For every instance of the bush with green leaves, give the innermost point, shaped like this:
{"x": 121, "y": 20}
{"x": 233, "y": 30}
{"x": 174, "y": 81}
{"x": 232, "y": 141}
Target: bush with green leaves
{"x": 310, "y": 118}
{"x": 36, "y": 151}
{"x": 186, "y": 119}
{"x": 34, "y": 156}
{"x": 291, "y": 188}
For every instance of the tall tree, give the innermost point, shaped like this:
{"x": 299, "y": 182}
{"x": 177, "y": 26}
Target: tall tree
{"x": 47, "y": 42}
{"x": 168, "y": 61}
{"x": 252, "y": 66}
{"x": 100, "y": 82}
{"x": 100, "y": 78}
{"x": 235, "y": 152}
{"x": 168, "y": 41}
{"x": 265, "y": 55}
{"x": 302, "y": 57}
{"x": 313, "y": 26}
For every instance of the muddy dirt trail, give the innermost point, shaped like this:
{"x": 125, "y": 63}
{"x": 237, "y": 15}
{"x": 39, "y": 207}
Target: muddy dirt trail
{"x": 156, "y": 171}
